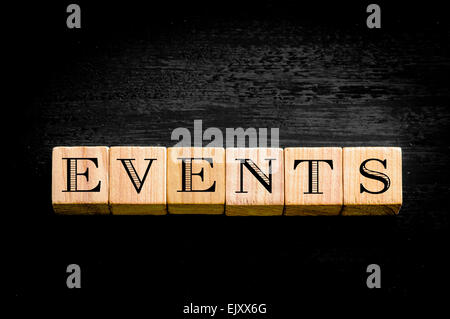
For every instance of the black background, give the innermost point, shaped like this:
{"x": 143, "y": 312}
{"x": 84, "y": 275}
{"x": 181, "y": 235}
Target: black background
{"x": 137, "y": 70}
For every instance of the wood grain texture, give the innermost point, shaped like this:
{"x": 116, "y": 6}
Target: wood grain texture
{"x": 75, "y": 197}
{"x": 124, "y": 197}
{"x": 253, "y": 198}
{"x": 358, "y": 201}
{"x": 298, "y": 199}
{"x": 199, "y": 197}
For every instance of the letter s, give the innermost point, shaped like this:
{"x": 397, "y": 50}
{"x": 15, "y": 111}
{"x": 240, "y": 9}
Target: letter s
{"x": 383, "y": 178}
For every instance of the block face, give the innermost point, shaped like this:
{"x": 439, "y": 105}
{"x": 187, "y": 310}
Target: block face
{"x": 313, "y": 180}
{"x": 372, "y": 180}
{"x": 196, "y": 180}
{"x": 137, "y": 180}
{"x": 260, "y": 191}
{"x": 80, "y": 180}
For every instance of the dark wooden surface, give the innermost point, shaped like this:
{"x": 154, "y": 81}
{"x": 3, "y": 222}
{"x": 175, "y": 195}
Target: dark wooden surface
{"x": 323, "y": 81}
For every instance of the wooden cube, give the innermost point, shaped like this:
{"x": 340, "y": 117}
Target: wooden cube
{"x": 372, "y": 180}
{"x": 255, "y": 181}
{"x": 137, "y": 180}
{"x": 195, "y": 180}
{"x": 80, "y": 180}
{"x": 313, "y": 180}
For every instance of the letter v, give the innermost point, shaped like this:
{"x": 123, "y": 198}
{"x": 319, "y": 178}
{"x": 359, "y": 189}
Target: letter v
{"x": 133, "y": 175}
